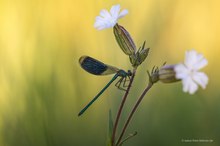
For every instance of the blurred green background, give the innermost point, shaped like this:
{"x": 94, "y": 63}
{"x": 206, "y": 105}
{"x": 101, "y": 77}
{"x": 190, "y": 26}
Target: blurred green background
{"x": 42, "y": 87}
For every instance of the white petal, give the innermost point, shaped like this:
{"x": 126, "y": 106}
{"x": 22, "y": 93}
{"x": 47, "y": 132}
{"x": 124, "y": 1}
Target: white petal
{"x": 99, "y": 19}
{"x": 109, "y": 19}
{"x": 99, "y": 22}
{"x": 102, "y": 23}
{"x": 104, "y": 13}
{"x": 199, "y": 61}
{"x": 195, "y": 60}
{"x": 123, "y": 13}
{"x": 201, "y": 79}
{"x": 190, "y": 58}
{"x": 200, "y": 64}
{"x": 99, "y": 25}
{"x": 110, "y": 24}
{"x": 189, "y": 85}
{"x": 181, "y": 71}
{"x": 189, "y": 74}
{"x": 115, "y": 11}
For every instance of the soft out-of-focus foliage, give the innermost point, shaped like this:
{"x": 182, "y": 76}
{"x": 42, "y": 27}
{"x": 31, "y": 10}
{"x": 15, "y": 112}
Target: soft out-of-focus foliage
{"x": 42, "y": 87}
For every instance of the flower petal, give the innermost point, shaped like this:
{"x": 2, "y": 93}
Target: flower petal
{"x": 115, "y": 11}
{"x": 109, "y": 19}
{"x": 189, "y": 85}
{"x": 181, "y": 71}
{"x": 194, "y": 60}
{"x": 201, "y": 79}
{"x": 105, "y": 14}
{"x": 99, "y": 22}
{"x": 190, "y": 58}
{"x": 123, "y": 13}
{"x": 188, "y": 72}
{"x": 200, "y": 64}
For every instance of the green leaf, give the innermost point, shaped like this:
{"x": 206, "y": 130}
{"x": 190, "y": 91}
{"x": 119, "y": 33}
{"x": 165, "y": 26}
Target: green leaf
{"x": 110, "y": 129}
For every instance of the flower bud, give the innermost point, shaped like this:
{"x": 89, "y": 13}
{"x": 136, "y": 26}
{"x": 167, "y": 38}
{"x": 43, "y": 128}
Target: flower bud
{"x": 139, "y": 57}
{"x": 167, "y": 74}
{"x": 143, "y": 54}
{"x": 134, "y": 60}
{"x": 124, "y": 40}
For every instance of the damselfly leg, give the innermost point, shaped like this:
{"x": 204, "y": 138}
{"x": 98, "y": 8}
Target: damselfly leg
{"x": 121, "y": 83}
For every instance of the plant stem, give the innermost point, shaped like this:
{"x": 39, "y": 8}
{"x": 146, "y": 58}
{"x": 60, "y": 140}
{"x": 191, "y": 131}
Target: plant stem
{"x": 121, "y": 107}
{"x": 130, "y": 136}
{"x": 133, "y": 111}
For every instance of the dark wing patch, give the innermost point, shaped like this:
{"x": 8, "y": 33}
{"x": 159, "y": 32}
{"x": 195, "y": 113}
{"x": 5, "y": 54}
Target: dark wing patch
{"x": 92, "y": 65}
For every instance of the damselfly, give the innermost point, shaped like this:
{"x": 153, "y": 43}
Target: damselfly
{"x": 96, "y": 67}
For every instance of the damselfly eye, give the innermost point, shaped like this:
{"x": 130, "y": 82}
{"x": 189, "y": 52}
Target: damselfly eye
{"x": 129, "y": 73}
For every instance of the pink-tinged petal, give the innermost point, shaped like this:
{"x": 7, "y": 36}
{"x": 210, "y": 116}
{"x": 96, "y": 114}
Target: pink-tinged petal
{"x": 123, "y": 13}
{"x": 189, "y": 85}
{"x": 201, "y": 79}
{"x": 115, "y": 11}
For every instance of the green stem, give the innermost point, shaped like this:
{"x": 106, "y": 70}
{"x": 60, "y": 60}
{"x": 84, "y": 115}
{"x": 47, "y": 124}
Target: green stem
{"x": 133, "y": 111}
{"x": 121, "y": 107}
{"x": 130, "y": 136}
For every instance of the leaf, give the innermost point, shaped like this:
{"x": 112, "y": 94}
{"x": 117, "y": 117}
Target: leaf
{"x": 110, "y": 129}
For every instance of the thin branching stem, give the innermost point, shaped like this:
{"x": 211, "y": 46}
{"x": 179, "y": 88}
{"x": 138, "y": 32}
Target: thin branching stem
{"x": 121, "y": 107}
{"x": 133, "y": 111}
{"x": 127, "y": 138}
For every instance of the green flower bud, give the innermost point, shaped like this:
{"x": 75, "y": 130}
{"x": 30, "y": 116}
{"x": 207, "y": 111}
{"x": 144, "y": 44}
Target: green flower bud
{"x": 143, "y": 54}
{"x": 124, "y": 40}
{"x": 154, "y": 77}
{"x": 167, "y": 74}
{"x": 139, "y": 57}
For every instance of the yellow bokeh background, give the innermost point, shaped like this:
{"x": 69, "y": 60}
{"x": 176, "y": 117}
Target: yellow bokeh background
{"x": 42, "y": 87}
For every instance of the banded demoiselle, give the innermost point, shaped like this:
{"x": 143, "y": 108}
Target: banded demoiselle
{"x": 96, "y": 67}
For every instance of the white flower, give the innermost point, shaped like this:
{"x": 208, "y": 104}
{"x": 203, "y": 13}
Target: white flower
{"x": 189, "y": 72}
{"x": 107, "y": 20}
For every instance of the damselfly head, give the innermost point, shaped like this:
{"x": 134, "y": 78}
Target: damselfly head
{"x": 129, "y": 73}
{"x": 122, "y": 73}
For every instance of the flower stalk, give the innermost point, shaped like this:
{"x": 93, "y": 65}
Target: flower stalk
{"x": 152, "y": 80}
{"x": 121, "y": 107}
{"x": 133, "y": 111}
